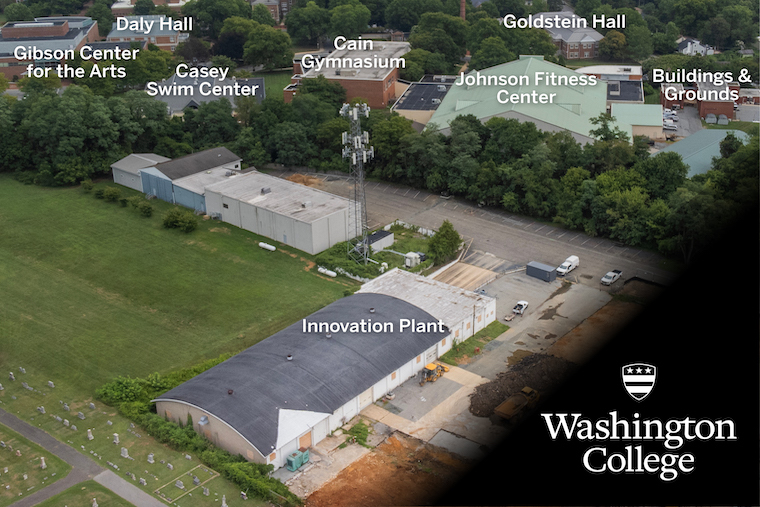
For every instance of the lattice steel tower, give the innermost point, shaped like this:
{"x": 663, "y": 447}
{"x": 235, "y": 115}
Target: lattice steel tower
{"x": 356, "y": 151}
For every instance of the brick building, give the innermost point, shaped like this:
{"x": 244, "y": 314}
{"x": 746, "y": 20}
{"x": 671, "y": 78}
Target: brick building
{"x": 377, "y": 82}
{"x": 163, "y": 37}
{"x": 717, "y": 106}
{"x": 61, "y": 34}
{"x": 573, "y": 43}
{"x": 126, "y": 7}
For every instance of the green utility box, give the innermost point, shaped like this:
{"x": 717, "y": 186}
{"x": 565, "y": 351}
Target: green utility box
{"x": 296, "y": 460}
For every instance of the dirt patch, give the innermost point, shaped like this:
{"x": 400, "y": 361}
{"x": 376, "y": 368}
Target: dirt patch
{"x": 550, "y": 313}
{"x": 223, "y": 230}
{"x": 643, "y": 291}
{"x": 539, "y": 371}
{"x": 563, "y": 288}
{"x": 301, "y": 179}
{"x": 518, "y": 355}
{"x": 401, "y": 471}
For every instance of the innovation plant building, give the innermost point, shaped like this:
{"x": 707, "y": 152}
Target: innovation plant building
{"x": 289, "y": 391}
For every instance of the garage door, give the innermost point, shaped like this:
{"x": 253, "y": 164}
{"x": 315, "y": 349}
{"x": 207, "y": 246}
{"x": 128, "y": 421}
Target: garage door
{"x": 365, "y": 399}
{"x": 430, "y": 354}
{"x": 349, "y": 410}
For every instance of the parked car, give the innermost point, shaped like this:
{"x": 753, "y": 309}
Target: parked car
{"x": 672, "y": 117}
{"x": 669, "y": 127}
{"x": 570, "y": 264}
{"x": 520, "y": 307}
{"x": 611, "y": 277}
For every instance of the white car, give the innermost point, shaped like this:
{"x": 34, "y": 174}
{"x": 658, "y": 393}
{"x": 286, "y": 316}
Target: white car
{"x": 611, "y": 277}
{"x": 520, "y": 307}
{"x": 670, "y": 127}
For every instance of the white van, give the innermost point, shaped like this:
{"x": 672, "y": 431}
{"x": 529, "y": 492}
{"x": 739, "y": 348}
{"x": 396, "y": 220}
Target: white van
{"x": 570, "y": 264}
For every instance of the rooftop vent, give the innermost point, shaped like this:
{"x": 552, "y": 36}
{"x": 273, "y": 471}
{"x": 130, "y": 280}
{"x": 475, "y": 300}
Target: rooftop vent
{"x": 306, "y": 204}
{"x": 290, "y": 357}
{"x": 266, "y": 190}
{"x": 229, "y": 391}
{"x": 203, "y": 421}
{"x": 441, "y": 88}
{"x": 328, "y": 335}
{"x": 436, "y": 101}
{"x": 371, "y": 310}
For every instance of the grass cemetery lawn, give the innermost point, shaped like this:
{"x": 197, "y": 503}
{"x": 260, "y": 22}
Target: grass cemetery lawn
{"x": 21, "y": 467}
{"x": 82, "y": 495}
{"x": 93, "y": 290}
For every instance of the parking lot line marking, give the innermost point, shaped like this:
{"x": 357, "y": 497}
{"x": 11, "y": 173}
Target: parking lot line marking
{"x": 529, "y": 225}
{"x": 455, "y": 206}
{"x": 585, "y": 241}
{"x": 637, "y": 253}
{"x": 444, "y": 204}
{"x": 426, "y": 198}
{"x": 418, "y": 193}
{"x": 561, "y": 234}
{"x": 540, "y": 228}
{"x": 574, "y": 237}
{"x": 550, "y": 231}
{"x": 395, "y": 190}
{"x": 610, "y": 248}
{"x": 407, "y": 191}
{"x": 386, "y": 188}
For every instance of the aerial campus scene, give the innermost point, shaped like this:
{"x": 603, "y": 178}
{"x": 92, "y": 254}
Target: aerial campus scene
{"x": 363, "y": 252}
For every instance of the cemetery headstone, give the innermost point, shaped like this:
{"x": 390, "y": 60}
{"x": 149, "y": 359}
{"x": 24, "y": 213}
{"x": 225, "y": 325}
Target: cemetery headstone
{"x": 143, "y": 482}
{"x": 92, "y": 406}
{"x": 188, "y": 457}
{"x": 66, "y": 407}
{"x": 124, "y": 452}
{"x": 179, "y": 484}
{"x": 89, "y": 434}
{"x": 11, "y": 376}
{"x": 109, "y": 423}
{"x": 65, "y": 422}
{"x": 224, "y": 501}
{"x": 73, "y": 427}
{"x": 41, "y": 410}
{"x": 205, "y": 491}
{"x": 1, "y": 387}
{"x": 50, "y": 383}
{"x": 170, "y": 466}
{"x": 21, "y": 369}
{"x": 151, "y": 460}
{"x": 43, "y": 465}
{"x": 115, "y": 438}
{"x": 80, "y": 415}
{"x": 196, "y": 480}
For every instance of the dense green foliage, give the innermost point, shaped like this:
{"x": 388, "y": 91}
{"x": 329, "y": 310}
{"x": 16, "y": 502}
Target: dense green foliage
{"x": 180, "y": 218}
{"x": 445, "y": 243}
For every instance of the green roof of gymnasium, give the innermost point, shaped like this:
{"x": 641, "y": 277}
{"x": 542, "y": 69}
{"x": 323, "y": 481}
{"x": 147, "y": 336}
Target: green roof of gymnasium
{"x": 698, "y": 150}
{"x": 572, "y": 108}
{"x": 628, "y": 115}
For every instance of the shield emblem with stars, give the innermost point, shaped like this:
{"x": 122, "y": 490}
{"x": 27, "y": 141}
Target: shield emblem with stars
{"x": 639, "y": 379}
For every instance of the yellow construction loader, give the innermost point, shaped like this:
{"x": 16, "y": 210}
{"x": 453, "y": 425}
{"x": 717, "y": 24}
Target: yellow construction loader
{"x": 432, "y": 372}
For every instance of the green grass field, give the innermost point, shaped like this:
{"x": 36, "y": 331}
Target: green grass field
{"x": 745, "y": 126}
{"x": 82, "y": 494}
{"x": 93, "y": 290}
{"x": 274, "y": 82}
{"x": 463, "y": 351}
{"x": 28, "y": 463}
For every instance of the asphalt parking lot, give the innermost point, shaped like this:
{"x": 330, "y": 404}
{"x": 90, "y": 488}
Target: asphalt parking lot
{"x": 688, "y": 122}
{"x": 748, "y": 112}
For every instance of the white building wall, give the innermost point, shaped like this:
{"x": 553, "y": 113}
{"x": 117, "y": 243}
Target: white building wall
{"x": 127, "y": 179}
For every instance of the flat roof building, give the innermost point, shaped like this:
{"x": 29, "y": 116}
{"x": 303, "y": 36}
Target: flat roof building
{"x": 306, "y": 218}
{"x": 55, "y": 34}
{"x": 420, "y": 100}
{"x": 371, "y": 73}
{"x": 698, "y": 149}
{"x": 639, "y": 119}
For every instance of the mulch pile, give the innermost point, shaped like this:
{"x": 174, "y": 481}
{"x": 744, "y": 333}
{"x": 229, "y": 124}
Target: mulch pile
{"x": 541, "y": 372}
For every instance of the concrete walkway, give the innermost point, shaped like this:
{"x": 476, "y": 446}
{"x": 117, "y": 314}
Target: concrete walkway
{"x": 82, "y": 468}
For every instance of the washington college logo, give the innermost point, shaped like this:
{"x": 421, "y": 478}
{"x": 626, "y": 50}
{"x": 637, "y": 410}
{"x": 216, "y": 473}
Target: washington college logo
{"x": 639, "y": 379}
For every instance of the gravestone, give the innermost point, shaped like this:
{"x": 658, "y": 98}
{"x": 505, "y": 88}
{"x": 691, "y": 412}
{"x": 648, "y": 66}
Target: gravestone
{"x": 50, "y": 383}
{"x": 73, "y": 427}
{"x": 24, "y": 385}
{"x": 92, "y": 406}
{"x": 124, "y": 452}
{"x": 115, "y": 438}
{"x": 224, "y": 501}
{"x": 80, "y": 415}
{"x": 21, "y": 369}
{"x": 65, "y": 422}
{"x": 94, "y": 502}
{"x": 89, "y": 434}
{"x": 1, "y": 387}
{"x": 2, "y": 444}
{"x": 188, "y": 457}
{"x": 143, "y": 482}
{"x": 66, "y": 407}
{"x": 243, "y": 495}
{"x": 179, "y": 484}
{"x": 170, "y": 466}
{"x": 43, "y": 465}
{"x": 58, "y": 418}
{"x": 196, "y": 480}
{"x": 26, "y": 477}
{"x": 205, "y": 491}
{"x": 109, "y": 423}
{"x": 151, "y": 460}
{"x": 41, "y": 410}
{"x": 18, "y": 452}
{"x": 11, "y": 376}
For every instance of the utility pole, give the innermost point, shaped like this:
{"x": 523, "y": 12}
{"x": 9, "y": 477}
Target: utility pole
{"x": 356, "y": 151}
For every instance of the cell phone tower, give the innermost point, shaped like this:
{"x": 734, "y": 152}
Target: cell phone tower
{"x": 356, "y": 151}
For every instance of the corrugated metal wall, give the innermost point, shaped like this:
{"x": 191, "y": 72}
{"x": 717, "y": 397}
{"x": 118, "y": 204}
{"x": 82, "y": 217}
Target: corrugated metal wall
{"x": 189, "y": 199}
{"x": 155, "y": 183}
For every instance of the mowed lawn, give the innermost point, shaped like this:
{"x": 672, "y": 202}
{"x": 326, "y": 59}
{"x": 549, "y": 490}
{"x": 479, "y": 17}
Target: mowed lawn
{"x": 91, "y": 290}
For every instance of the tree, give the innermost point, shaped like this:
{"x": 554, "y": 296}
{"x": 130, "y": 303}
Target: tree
{"x": 613, "y": 45}
{"x": 349, "y": 20}
{"x": 492, "y": 52}
{"x": 143, "y": 7}
{"x": 664, "y": 172}
{"x": 606, "y": 132}
{"x": 262, "y": 15}
{"x": 269, "y": 47}
{"x": 308, "y": 24}
{"x": 445, "y": 243}
{"x": 212, "y": 124}
{"x": 209, "y": 15}
{"x": 193, "y": 49}
{"x": 18, "y": 12}
{"x": 730, "y": 145}
{"x": 324, "y": 89}
{"x": 639, "y": 41}
{"x": 291, "y": 142}
{"x": 663, "y": 44}
{"x": 101, "y": 12}
{"x": 404, "y": 14}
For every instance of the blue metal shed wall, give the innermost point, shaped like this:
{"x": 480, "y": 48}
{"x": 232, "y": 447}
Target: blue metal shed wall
{"x": 155, "y": 183}
{"x": 189, "y": 199}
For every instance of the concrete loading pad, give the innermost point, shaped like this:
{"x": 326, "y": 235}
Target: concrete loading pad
{"x": 466, "y": 276}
